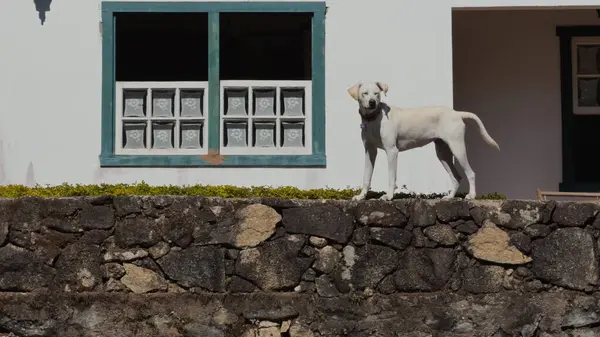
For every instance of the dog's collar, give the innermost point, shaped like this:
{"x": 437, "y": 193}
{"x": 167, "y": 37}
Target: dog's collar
{"x": 369, "y": 117}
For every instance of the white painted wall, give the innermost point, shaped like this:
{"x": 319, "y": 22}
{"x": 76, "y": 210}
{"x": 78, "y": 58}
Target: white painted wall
{"x": 50, "y": 89}
{"x": 506, "y": 69}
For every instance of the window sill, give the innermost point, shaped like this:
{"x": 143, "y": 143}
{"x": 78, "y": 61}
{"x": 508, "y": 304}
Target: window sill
{"x": 579, "y": 187}
{"x": 112, "y": 160}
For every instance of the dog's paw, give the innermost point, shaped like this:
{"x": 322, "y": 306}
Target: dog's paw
{"x": 469, "y": 196}
{"x": 447, "y": 197}
{"x": 386, "y": 197}
{"x": 359, "y": 197}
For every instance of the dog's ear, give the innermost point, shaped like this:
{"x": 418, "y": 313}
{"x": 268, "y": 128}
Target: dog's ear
{"x": 354, "y": 91}
{"x": 383, "y": 87}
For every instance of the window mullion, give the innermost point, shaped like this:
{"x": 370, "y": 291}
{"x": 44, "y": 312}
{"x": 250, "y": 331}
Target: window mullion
{"x": 214, "y": 101}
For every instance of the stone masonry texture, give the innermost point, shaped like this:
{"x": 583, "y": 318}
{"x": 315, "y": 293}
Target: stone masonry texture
{"x": 209, "y": 267}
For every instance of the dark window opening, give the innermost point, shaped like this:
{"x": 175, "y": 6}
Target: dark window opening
{"x": 265, "y": 46}
{"x": 161, "y": 46}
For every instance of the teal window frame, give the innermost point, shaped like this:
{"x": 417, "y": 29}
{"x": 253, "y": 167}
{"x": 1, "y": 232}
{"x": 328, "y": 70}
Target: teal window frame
{"x": 317, "y": 158}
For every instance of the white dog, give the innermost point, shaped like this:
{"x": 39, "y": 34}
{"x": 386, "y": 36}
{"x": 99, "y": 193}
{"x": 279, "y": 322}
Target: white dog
{"x": 395, "y": 129}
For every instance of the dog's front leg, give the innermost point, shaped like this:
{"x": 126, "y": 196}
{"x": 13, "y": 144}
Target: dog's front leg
{"x": 370, "y": 156}
{"x": 392, "y": 158}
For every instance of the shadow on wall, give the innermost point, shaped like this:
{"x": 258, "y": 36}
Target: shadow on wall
{"x": 42, "y": 6}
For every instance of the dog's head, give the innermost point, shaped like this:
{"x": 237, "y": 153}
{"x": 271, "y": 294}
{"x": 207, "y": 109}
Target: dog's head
{"x": 368, "y": 95}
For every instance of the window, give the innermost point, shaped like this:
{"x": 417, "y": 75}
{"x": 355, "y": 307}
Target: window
{"x": 579, "y": 49}
{"x": 586, "y": 75}
{"x": 211, "y": 83}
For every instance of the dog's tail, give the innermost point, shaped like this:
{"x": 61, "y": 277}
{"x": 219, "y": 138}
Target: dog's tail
{"x": 486, "y": 136}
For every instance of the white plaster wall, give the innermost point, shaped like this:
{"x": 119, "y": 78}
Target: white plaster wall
{"x": 506, "y": 70}
{"x": 50, "y": 89}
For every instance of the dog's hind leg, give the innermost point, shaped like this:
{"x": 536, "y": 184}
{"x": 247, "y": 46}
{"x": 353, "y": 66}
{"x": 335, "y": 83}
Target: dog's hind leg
{"x": 445, "y": 156}
{"x": 459, "y": 150}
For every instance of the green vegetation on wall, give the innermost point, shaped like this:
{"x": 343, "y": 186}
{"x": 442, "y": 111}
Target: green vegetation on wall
{"x": 224, "y": 191}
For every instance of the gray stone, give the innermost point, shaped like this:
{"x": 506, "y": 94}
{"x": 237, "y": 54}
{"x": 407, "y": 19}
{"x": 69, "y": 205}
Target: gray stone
{"x": 575, "y": 214}
{"x": 596, "y": 223}
{"x": 309, "y": 275}
{"x": 305, "y": 287}
{"x": 78, "y": 268}
{"x": 547, "y": 211}
{"x": 56, "y": 238}
{"x": 113, "y": 270}
{"x": 424, "y": 269}
{"x": 579, "y": 317}
{"x": 3, "y": 232}
{"x": 44, "y": 246}
{"x": 138, "y": 231}
{"x": 523, "y": 272}
{"x": 196, "y": 266}
{"x": 566, "y": 258}
{"x": 537, "y": 231}
{"x": 148, "y": 263}
{"x": 361, "y": 236}
{"x": 232, "y": 254}
{"x": 278, "y": 314}
{"x": 522, "y": 213}
{"x": 94, "y": 237}
{"x": 451, "y": 210}
{"x": 239, "y": 285}
{"x": 327, "y": 259}
{"x": 325, "y": 287}
{"x": 463, "y": 327}
{"x": 530, "y": 330}
{"x": 246, "y": 227}
{"x": 468, "y": 227}
{"x": 229, "y": 267}
{"x": 96, "y": 217}
{"x": 483, "y": 279}
{"x": 587, "y": 332}
{"x": 176, "y": 226}
{"x": 521, "y": 241}
{"x": 21, "y": 270}
{"x": 126, "y": 205}
{"x": 364, "y": 267}
{"x": 162, "y": 201}
{"x": 274, "y": 265}
{"x": 323, "y": 221}
{"x": 26, "y": 214}
{"x": 479, "y": 214}
{"x": 397, "y": 238}
{"x": 442, "y": 234}
{"x": 113, "y": 285}
{"x": 64, "y": 224}
{"x": 456, "y": 223}
{"x": 308, "y": 251}
{"x": 387, "y": 285}
{"x": 380, "y": 214}
{"x": 159, "y": 250}
{"x": 558, "y": 334}
{"x": 318, "y": 242}
{"x": 423, "y": 214}
{"x": 123, "y": 255}
{"x": 199, "y": 330}
{"x": 419, "y": 239}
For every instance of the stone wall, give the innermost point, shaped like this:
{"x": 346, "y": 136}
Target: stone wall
{"x": 191, "y": 266}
